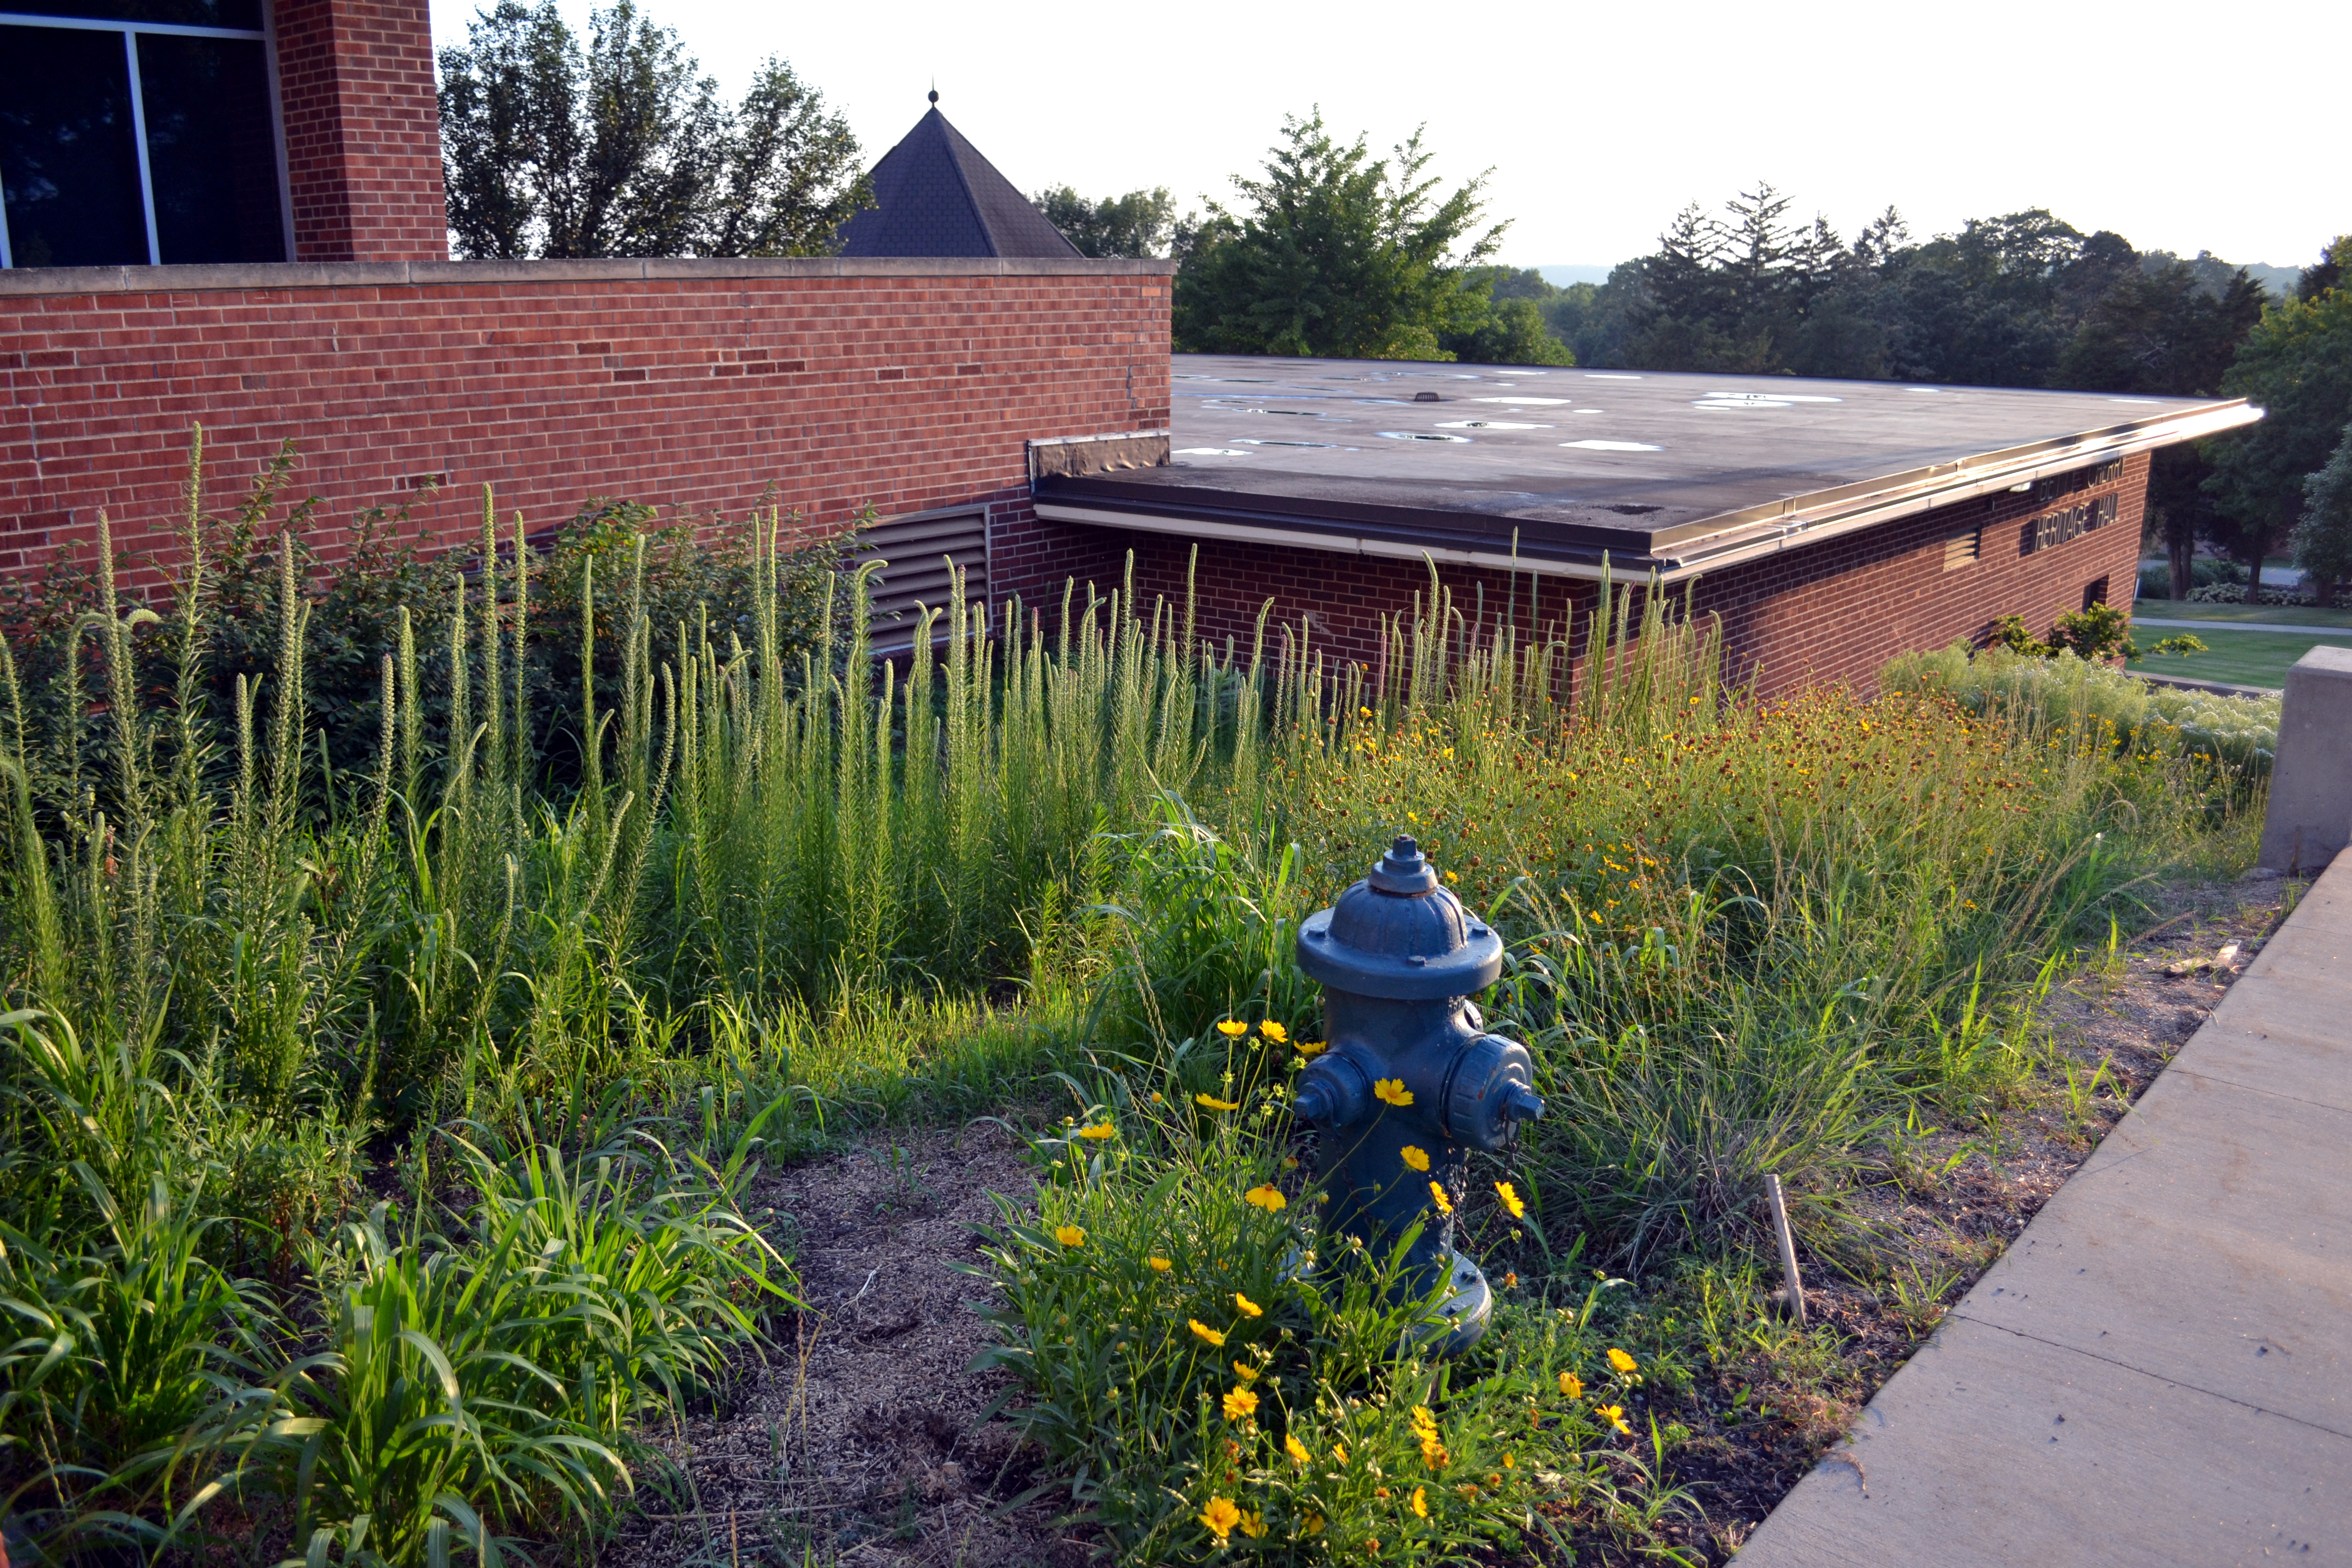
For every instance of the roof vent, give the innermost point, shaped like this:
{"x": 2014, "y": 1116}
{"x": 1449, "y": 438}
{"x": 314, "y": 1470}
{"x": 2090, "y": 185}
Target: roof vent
{"x": 1427, "y": 397}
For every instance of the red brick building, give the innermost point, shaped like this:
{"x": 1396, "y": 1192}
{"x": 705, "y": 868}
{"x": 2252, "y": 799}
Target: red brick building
{"x": 233, "y": 217}
{"x": 1829, "y": 524}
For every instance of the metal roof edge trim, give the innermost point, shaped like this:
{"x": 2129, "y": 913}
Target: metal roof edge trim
{"x": 1336, "y": 543}
{"x": 1106, "y": 436}
{"x": 34, "y": 281}
{"x": 1850, "y": 507}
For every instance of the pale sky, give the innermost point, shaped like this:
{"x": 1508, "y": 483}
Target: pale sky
{"x": 2208, "y": 128}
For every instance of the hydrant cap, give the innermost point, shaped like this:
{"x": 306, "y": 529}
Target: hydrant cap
{"x": 1400, "y": 935}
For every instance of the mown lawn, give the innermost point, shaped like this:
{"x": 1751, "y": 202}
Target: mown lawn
{"x": 2237, "y": 658}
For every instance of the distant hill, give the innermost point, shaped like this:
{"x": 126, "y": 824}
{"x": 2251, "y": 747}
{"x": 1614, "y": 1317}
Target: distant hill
{"x": 2279, "y": 280}
{"x": 1561, "y": 276}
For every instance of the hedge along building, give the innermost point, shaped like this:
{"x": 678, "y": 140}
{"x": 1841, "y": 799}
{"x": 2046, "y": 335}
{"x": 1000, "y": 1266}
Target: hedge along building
{"x": 235, "y": 217}
{"x": 905, "y": 375}
{"x": 1831, "y": 524}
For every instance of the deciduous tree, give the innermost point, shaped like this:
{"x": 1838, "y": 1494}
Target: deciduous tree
{"x": 1334, "y": 252}
{"x": 2323, "y": 540}
{"x": 2297, "y": 366}
{"x": 623, "y": 147}
{"x": 1140, "y": 223}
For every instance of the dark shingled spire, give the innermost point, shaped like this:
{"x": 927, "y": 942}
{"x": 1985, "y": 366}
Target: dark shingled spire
{"x": 936, "y": 195}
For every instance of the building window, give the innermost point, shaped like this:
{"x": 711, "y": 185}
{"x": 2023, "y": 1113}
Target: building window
{"x": 138, "y": 131}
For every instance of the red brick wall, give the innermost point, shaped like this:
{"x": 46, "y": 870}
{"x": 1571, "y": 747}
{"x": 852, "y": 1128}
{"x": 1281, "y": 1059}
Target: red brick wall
{"x": 362, "y": 134}
{"x": 903, "y": 385}
{"x": 1833, "y": 611}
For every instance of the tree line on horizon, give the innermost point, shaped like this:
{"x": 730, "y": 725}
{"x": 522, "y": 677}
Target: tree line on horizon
{"x": 616, "y": 144}
{"x": 1333, "y": 253}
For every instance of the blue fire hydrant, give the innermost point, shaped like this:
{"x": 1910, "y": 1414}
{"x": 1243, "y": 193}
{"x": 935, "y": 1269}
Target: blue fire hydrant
{"x": 1409, "y": 1081}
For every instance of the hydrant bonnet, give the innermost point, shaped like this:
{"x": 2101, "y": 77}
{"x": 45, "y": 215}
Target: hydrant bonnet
{"x": 1400, "y": 936}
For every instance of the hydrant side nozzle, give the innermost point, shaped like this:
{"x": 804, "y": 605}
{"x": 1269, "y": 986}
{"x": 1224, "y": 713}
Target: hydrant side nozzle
{"x": 1523, "y": 1105}
{"x": 1333, "y": 1091}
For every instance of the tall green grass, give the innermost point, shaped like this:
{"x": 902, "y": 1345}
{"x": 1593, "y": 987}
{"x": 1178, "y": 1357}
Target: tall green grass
{"x": 794, "y": 887}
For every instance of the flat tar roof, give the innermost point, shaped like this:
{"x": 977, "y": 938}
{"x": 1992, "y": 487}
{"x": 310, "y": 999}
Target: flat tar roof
{"x": 1550, "y": 468}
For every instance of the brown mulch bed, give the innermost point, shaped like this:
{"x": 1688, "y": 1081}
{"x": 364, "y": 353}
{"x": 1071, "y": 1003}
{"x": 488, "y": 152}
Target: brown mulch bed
{"x": 859, "y": 1438}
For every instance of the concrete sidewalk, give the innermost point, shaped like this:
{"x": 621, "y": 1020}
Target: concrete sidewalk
{"x": 2159, "y": 1370}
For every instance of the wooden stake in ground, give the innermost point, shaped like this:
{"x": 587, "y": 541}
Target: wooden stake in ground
{"x": 1793, "y": 1292}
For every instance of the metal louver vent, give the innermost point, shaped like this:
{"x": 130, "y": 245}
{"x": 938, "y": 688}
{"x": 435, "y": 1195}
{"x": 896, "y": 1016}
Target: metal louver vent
{"x": 917, "y": 553}
{"x": 1962, "y": 549}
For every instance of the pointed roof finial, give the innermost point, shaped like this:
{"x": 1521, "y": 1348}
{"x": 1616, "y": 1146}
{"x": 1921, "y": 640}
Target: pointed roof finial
{"x": 935, "y": 89}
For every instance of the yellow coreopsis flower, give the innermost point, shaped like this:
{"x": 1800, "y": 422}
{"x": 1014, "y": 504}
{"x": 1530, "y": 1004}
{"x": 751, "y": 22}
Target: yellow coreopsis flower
{"x": 1161, "y": 1265}
{"x": 1245, "y": 1371}
{"x": 1215, "y": 1336}
{"x": 1221, "y": 1516}
{"x": 1620, "y": 1360}
{"x": 1437, "y": 1196}
{"x": 1391, "y": 1091}
{"x": 1420, "y": 1501}
{"x": 1571, "y": 1385}
{"x": 1615, "y": 1415}
{"x": 1247, "y": 1307}
{"x": 1214, "y": 1103}
{"x": 1268, "y": 1197}
{"x": 1510, "y": 1197}
{"x": 1306, "y": 1048}
{"x": 1098, "y": 1131}
{"x": 1233, "y": 1029}
{"x": 1253, "y": 1525}
{"x": 1416, "y": 1158}
{"x": 1313, "y": 1524}
{"x": 1275, "y": 1032}
{"x": 1297, "y": 1450}
{"x": 1339, "y": 1452}
{"x": 1070, "y": 1235}
{"x": 1240, "y": 1404}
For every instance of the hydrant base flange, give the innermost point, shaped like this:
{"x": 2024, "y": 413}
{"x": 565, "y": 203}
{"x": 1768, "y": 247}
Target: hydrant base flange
{"x": 1468, "y": 1310}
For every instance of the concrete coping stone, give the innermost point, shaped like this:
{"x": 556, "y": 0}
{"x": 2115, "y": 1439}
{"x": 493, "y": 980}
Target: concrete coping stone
{"x": 25, "y": 281}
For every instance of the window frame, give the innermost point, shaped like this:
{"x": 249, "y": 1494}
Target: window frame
{"x": 266, "y": 35}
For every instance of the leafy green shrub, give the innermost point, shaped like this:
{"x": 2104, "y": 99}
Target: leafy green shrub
{"x": 2095, "y": 633}
{"x": 2239, "y": 733}
{"x": 689, "y": 574}
{"x": 1204, "y": 930}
